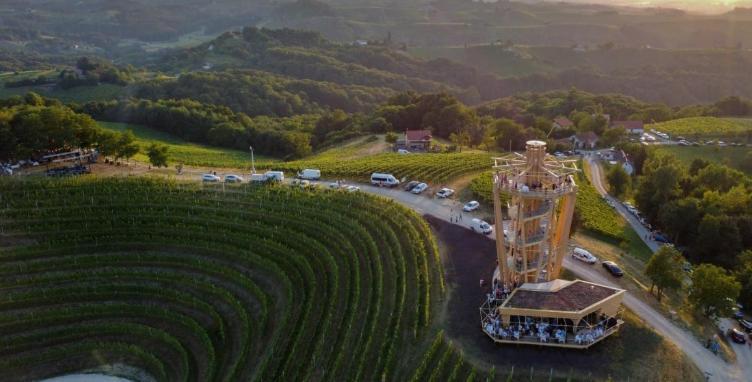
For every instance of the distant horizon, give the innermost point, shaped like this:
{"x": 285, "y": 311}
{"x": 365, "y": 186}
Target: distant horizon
{"x": 703, "y": 6}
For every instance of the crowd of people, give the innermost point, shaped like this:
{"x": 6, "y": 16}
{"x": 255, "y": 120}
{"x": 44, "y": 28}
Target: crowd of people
{"x": 531, "y": 329}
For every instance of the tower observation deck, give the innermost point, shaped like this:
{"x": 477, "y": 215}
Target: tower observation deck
{"x": 528, "y": 303}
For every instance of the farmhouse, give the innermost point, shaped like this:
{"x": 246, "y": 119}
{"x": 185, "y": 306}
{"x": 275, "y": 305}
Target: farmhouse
{"x": 561, "y": 123}
{"x": 586, "y": 140}
{"x": 632, "y": 127}
{"x": 415, "y": 140}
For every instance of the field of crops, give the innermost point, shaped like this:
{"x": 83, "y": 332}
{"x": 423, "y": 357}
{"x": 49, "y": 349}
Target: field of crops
{"x": 197, "y": 283}
{"x": 432, "y": 168}
{"x": 706, "y": 127}
{"x": 595, "y": 215}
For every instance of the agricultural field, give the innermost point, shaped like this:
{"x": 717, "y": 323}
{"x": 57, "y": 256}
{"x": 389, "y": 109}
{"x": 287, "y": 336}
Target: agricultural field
{"x": 181, "y": 151}
{"x": 354, "y": 161}
{"x": 739, "y": 158}
{"x": 190, "y": 283}
{"x": 706, "y": 127}
{"x": 431, "y": 168}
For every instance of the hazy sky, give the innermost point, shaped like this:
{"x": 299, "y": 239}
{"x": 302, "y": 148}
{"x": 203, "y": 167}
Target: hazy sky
{"x": 695, "y": 5}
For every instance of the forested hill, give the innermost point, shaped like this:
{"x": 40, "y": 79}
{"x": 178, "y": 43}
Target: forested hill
{"x": 307, "y": 55}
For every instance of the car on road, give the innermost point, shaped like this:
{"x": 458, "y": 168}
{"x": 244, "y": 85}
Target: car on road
{"x": 352, "y": 188}
{"x": 411, "y": 184}
{"x": 231, "y": 178}
{"x": 480, "y": 226}
{"x": 746, "y": 325}
{"x": 300, "y": 182}
{"x": 310, "y": 174}
{"x": 210, "y": 178}
{"x": 584, "y": 256}
{"x": 659, "y": 237}
{"x": 445, "y": 193}
{"x": 471, "y": 206}
{"x": 419, "y": 188}
{"x": 737, "y": 336}
{"x": 613, "y": 269}
{"x": 384, "y": 180}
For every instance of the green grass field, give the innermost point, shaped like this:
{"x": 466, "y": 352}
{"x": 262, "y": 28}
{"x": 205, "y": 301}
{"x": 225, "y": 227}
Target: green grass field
{"x": 190, "y": 154}
{"x": 80, "y": 94}
{"x": 706, "y": 127}
{"x": 731, "y": 156}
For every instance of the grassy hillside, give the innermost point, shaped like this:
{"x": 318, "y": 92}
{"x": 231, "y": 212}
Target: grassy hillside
{"x": 180, "y": 151}
{"x": 706, "y": 127}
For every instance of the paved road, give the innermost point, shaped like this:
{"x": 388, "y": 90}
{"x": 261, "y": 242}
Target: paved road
{"x": 704, "y": 359}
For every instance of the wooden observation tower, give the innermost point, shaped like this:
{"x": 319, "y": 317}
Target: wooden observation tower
{"x": 528, "y": 302}
{"x": 542, "y": 191}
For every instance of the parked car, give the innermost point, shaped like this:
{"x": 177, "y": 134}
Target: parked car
{"x": 334, "y": 185}
{"x": 210, "y": 178}
{"x": 445, "y": 193}
{"x": 411, "y": 184}
{"x": 471, "y": 206}
{"x": 480, "y": 226}
{"x": 584, "y": 256}
{"x": 746, "y": 325}
{"x": 419, "y": 188}
{"x": 659, "y": 237}
{"x": 230, "y": 178}
{"x": 613, "y": 269}
{"x": 352, "y": 188}
{"x": 737, "y": 336}
{"x": 310, "y": 174}
{"x": 402, "y": 151}
{"x": 258, "y": 178}
{"x": 300, "y": 182}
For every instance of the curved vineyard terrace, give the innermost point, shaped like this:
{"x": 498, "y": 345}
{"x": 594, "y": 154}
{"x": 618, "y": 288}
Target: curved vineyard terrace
{"x": 199, "y": 283}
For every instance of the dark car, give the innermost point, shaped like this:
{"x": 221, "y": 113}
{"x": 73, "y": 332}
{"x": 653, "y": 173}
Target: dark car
{"x": 659, "y": 237}
{"x": 737, "y": 336}
{"x": 410, "y": 185}
{"x": 613, "y": 269}
{"x": 746, "y": 325}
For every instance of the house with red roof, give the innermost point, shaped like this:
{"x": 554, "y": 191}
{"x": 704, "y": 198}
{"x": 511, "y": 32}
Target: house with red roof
{"x": 561, "y": 123}
{"x": 415, "y": 140}
{"x": 632, "y": 127}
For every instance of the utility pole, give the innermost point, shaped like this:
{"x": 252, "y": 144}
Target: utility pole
{"x": 253, "y": 164}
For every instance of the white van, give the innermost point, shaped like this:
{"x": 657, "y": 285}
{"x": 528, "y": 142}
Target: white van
{"x": 480, "y": 226}
{"x": 310, "y": 174}
{"x": 381, "y": 180}
{"x": 584, "y": 256}
{"x": 275, "y": 176}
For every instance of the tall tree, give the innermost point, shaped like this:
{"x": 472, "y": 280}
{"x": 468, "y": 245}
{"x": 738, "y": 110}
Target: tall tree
{"x": 713, "y": 291}
{"x": 665, "y": 270}
{"x": 618, "y": 180}
{"x": 157, "y": 154}
{"x": 126, "y": 145}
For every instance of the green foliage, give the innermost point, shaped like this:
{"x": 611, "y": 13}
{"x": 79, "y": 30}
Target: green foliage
{"x": 713, "y": 290}
{"x": 618, "y": 180}
{"x": 32, "y": 130}
{"x": 665, "y": 269}
{"x": 193, "y": 121}
{"x": 157, "y": 154}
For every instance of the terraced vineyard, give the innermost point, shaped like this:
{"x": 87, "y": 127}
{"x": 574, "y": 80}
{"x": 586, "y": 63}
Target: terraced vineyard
{"x": 199, "y": 283}
{"x": 706, "y": 127}
{"x": 597, "y": 217}
{"x": 433, "y": 168}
